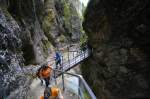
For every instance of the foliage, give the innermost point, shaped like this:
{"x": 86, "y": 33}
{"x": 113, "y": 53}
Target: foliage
{"x": 46, "y": 45}
{"x": 86, "y": 95}
{"x": 62, "y": 38}
{"x": 48, "y": 19}
{"x": 66, "y": 11}
{"x": 83, "y": 39}
{"x": 69, "y": 13}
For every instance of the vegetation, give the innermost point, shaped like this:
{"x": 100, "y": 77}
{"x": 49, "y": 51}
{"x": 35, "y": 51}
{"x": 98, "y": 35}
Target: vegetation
{"x": 69, "y": 13}
{"x": 62, "y": 38}
{"x": 86, "y": 95}
{"x": 83, "y": 39}
{"x": 48, "y": 19}
{"x": 66, "y": 11}
{"x": 46, "y": 46}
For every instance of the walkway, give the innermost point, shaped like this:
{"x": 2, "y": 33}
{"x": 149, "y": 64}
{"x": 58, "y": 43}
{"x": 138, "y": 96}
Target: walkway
{"x": 36, "y": 90}
{"x": 75, "y": 60}
{"x": 72, "y": 61}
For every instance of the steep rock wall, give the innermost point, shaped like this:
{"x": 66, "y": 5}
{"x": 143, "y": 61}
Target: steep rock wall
{"x": 11, "y": 76}
{"x": 44, "y": 24}
{"x": 118, "y": 31}
{"x": 29, "y": 31}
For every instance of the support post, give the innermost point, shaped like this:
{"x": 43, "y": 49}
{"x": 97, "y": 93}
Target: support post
{"x": 73, "y": 58}
{"x": 63, "y": 82}
{"x": 55, "y": 77}
{"x": 68, "y": 58}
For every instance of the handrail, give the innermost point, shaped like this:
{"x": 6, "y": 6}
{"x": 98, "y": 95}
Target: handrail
{"x": 77, "y": 58}
{"x": 66, "y": 61}
{"x": 90, "y": 92}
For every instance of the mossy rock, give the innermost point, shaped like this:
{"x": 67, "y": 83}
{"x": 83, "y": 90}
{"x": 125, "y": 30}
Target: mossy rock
{"x": 62, "y": 39}
{"x": 50, "y": 15}
{"x": 46, "y": 45}
{"x": 83, "y": 40}
{"x": 48, "y": 20}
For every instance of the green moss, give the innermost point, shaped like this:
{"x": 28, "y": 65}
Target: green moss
{"x": 66, "y": 11}
{"x": 86, "y": 95}
{"x": 69, "y": 11}
{"x": 62, "y": 38}
{"x": 48, "y": 20}
{"x": 46, "y": 46}
{"x": 83, "y": 39}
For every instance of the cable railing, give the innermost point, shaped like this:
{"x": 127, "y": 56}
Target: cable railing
{"x": 75, "y": 84}
{"x": 78, "y": 56}
{"x": 75, "y": 60}
{"x": 75, "y": 57}
{"x": 83, "y": 90}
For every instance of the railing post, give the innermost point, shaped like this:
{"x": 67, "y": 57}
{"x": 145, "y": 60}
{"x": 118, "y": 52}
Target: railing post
{"x": 55, "y": 77}
{"x": 76, "y": 57}
{"x": 80, "y": 54}
{"x": 82, "y": 84}
{"x": 79, "y": 90}
{"x": 68, "y": 57}
{"x": 63, "y": 75}
{"x": 73, "y": 58}
{"x": 63, "y": 82}
{"x": 84, "y": 53}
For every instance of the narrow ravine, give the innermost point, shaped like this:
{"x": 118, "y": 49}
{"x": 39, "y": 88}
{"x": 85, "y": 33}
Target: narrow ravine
{"x": 107, "y": 42}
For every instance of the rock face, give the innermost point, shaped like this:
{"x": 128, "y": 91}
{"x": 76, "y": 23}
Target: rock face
{"x": 11, "y": 57}
{"x": 118, "y": 31}
{"x": 44, "y": 24}
{"x": 29, "y": 31}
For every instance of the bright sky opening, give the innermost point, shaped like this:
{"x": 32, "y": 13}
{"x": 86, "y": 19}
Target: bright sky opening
{"x": 85, "y": 2}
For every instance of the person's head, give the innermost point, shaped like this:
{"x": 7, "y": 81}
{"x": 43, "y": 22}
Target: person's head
{"x": 47, "y": 92}
{"x": 44, "y": 66}
{"x": 54, "y": 91}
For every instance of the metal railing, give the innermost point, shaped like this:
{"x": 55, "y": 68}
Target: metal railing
{"x": 83, "y": 90}
{"x": 77, "y": 57}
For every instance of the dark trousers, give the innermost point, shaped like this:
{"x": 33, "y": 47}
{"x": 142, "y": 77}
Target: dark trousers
{"x": 47, "y": 81}
{"x": 58, "y": 62}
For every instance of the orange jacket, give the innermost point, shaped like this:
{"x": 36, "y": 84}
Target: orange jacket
{"x": 41, "y": 97}
{"x": 55, "y": 92}
{"x": 46, "y": 72}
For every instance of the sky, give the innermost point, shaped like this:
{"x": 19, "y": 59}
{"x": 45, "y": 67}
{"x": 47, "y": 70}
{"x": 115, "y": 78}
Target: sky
{"x": 84, "y": 2}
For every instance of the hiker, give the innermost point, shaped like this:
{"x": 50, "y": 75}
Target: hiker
{"x": 45, "y": 73}
{"x": 52, "y": 93}
{"x": 57, "y": 59}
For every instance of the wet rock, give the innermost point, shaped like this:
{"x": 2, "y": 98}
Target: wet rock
{"x": 29, "y": 30}
{"x": 119, "y": 34}
{"x": 123, "y": 70}
{"x": 11, "y": 58}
